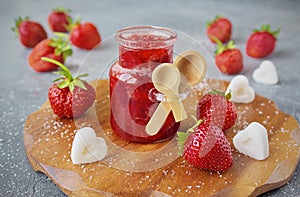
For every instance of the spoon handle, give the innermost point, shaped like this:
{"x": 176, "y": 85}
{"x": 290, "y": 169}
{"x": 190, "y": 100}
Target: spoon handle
{"x": 178, "y": 110}
{"x": 158, "y": 118}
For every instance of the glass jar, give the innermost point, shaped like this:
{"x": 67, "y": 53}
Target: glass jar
{"x": 133, "y": 98}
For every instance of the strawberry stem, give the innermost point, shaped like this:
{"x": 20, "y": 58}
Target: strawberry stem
{"x": 67, "y": 78}
{"x": 214, "y": 38}
{"x": 62, "y": 35}
{"x": 63, "y": 67}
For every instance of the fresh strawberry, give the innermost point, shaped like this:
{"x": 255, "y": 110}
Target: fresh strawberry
{"x": 72, "y": 96}
{"x": 206, "y": 147}
{"x": 215, "y": 109}
{"x": 220, "y": 28}
{"x": 56, "y": 48}
{"x": 261, "y": 42}
{"x": 84, "y": 35}
{"x": 58, "y": 19}
{"x": 228, "y": 59}
{"x": 29, "y": 32}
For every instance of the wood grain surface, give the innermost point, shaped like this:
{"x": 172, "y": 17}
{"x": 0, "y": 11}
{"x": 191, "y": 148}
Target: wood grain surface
{"x": 132, "y": 169}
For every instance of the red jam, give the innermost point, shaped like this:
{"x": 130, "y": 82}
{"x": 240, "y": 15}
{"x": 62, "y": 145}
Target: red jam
{"x": 133, "y": 98}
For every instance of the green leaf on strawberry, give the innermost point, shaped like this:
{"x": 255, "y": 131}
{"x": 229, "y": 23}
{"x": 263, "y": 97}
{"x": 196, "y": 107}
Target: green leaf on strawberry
{"x": 267, "y": 28}
{"x": 18, "y": 21}
{"x": 67, "y": 79}
{"x": 79, "y": 83}
{"x": 217, "y": 17}
{"x": 218, "y": 92}
{"x": 61, "y": 44}
{"x": 182, "y": 136}
{"x": 73, "y": 23}
{"x": 222, "y": 47}
{"x": 61, "y": 9}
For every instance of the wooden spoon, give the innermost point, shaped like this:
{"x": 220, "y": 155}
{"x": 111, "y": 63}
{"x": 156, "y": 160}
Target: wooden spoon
{"x": 166, "y": 79}
{"x": 192, "y": 65}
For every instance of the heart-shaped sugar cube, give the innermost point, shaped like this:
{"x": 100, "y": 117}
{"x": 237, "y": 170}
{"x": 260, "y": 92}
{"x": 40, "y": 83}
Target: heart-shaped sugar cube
{"x": 253, "y": 141}
{"x": 240, "y": 90}
{"x": 266, "y": 73}
{"x": 87, "y": 147}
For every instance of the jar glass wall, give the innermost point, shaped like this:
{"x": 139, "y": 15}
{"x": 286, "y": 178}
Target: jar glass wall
{"x": 133, "y": 98}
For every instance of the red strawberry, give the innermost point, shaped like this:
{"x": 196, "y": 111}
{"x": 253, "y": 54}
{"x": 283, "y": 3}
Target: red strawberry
{"x": 58, "y": 19}
{"x": 29, "y": 32}
{"x": 216, "y": 109}
{"x": 261, "y": 43}
{"x": 72, "y": 96}
{"x": 55, "y": 48}
{"x": 206, "y": 147}
{"x": 229, "y": 59}
{"x": 84, "y": 35}
{"x": 220, "y": 28}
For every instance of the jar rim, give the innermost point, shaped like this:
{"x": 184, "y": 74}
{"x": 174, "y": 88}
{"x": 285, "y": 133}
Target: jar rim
{"x": 167, "y": 36}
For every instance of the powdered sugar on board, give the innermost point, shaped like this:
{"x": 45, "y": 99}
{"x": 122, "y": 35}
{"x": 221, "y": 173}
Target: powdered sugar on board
{"x": 51, "y": 137}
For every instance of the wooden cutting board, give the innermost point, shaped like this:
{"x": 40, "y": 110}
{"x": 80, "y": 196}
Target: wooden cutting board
{"x": 132, "y": 169}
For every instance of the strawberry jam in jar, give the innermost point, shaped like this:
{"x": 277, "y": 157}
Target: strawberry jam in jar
{"x": 133, "y": 98}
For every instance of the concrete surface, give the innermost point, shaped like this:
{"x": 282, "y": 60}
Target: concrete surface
{"x": 23, "y": 91}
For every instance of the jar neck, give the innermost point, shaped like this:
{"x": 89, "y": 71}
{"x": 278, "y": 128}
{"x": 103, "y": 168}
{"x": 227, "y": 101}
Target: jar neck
{"x": 145, "y": 37}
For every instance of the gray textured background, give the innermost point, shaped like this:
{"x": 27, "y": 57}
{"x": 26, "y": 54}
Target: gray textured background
{"x": 23, "y": 91}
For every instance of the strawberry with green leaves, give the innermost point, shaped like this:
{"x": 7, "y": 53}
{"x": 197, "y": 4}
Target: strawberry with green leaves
{"x": 261, "y": 42}
{"x": 215, "y": 108}
{"x": 29, "y": 32}
{"x": 58, "y": 19}
{"x": 205, "y": 146}
{"x": 57, "y": 48}
{"x": 70, "y": 97}
{"x": 220, "y": 27}
{"x": 228, "y": 58}
{"x": 84, "y": 35}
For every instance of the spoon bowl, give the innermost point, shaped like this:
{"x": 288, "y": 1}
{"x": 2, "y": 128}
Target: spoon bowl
{"x": 192, "y": 65}
{"x": 166, "y": 79}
